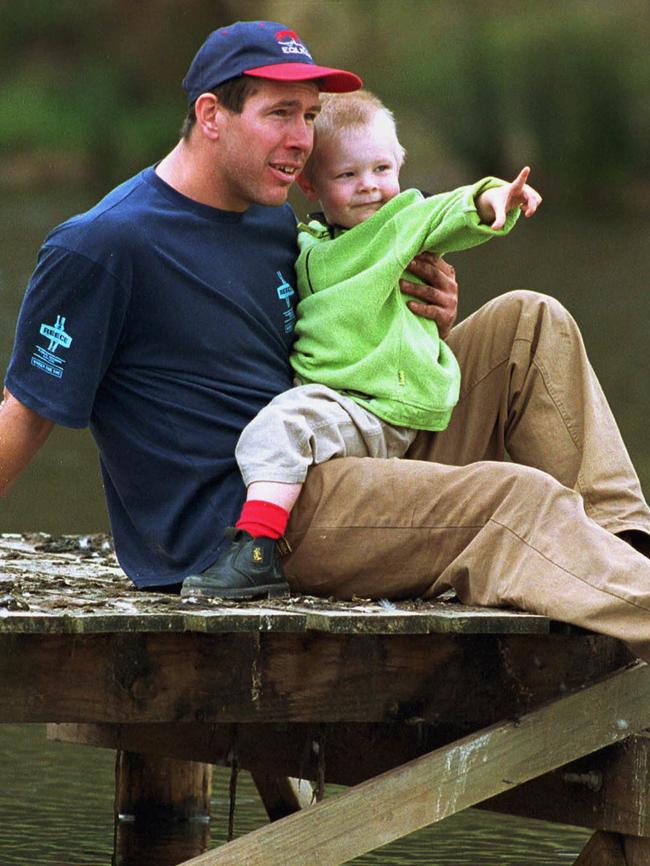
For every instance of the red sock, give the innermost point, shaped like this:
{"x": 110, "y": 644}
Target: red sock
{"x": 263, "y": 519}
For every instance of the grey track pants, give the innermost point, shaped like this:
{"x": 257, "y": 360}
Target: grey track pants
{"x": 312, "y": 424}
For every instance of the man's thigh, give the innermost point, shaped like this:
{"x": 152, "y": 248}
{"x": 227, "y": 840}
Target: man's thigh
{"x": 389, "y": 528}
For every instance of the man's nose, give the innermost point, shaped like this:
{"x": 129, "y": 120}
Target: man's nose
{"x": 301, "y": 135}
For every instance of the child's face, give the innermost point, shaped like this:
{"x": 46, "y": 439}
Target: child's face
{"x": 357, "y": 172}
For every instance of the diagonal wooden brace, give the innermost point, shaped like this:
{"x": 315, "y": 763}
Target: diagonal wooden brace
{"x": 448, "y": 779}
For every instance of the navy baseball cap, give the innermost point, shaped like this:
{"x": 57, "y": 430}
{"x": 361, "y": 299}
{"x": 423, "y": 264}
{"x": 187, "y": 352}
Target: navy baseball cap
{"x": 263, "y": 49}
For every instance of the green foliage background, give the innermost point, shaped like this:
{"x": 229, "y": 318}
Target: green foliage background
{"x": 90, "y": 89}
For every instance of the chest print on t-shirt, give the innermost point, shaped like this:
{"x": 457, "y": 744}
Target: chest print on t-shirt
{"x": 285, "y": 293}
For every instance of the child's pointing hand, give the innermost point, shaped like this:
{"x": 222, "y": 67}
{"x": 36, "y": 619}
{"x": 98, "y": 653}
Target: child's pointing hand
{"x": 494, "y": 205}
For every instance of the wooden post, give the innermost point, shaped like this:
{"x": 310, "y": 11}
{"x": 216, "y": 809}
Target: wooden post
{"x": 162, "y": 809}
{"x": 161, "y": 789}
{"x": 449, "y": 779}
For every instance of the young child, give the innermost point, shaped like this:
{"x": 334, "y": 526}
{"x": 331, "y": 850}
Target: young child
{"x": 370, "y": 373}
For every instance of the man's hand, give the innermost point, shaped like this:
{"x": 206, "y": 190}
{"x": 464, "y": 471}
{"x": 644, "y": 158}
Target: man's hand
{"x": 438, "y": 298}
{"x": 494, "y": 205}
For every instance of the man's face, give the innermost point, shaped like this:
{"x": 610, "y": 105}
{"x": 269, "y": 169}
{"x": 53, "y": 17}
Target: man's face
{"x": 263, "y": 149}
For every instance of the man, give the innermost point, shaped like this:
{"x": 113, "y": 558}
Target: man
{"x": 163, "y": 317}
{"x": 175, "y": 294}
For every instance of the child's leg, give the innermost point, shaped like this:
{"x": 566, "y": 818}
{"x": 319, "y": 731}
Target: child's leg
{"x": 306, "y": 425}
{"x": 278, "y": 492}
{"x": 265, "y": 513}
{"x": 302, "y": 427}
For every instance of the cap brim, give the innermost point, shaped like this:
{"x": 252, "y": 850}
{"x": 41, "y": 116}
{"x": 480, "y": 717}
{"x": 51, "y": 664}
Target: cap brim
{"x": 331, "y": 80}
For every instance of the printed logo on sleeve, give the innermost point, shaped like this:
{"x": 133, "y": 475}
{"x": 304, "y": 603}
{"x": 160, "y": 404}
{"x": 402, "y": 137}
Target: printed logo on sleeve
{"x": 285, "y": 293}
{"x": 46, "y": 359}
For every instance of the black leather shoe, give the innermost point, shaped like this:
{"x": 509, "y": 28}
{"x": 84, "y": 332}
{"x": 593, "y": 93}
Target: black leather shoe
{"x": 248, "y": 568}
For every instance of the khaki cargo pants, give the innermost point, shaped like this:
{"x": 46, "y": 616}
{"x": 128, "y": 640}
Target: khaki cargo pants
{"x": 535, "y": 533}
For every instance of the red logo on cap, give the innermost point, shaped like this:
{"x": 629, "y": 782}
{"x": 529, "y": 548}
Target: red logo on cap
{"x": 290, "y": 43}
{"x": 283, "y": 34}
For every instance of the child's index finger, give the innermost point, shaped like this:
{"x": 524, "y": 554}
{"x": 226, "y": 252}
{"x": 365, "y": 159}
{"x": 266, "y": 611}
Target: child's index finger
{"x": 522, "y": 177}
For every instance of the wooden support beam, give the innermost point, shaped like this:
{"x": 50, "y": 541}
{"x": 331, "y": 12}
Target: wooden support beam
{"x": 282, "y": 795}
{"x": 468, "y": 681}
{"x": 608, "y": 790}
{"x": 450, "y": 779}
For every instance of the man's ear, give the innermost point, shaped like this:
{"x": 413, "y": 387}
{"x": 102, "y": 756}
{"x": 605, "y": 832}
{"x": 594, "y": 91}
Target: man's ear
{"x": 208, "y": 110}
{"x": 307, "y": 187}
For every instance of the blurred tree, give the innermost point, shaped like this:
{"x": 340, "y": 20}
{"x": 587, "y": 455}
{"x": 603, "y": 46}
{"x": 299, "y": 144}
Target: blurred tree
{"x": 97, "y": 83}
{"x": 563, "y": 85}
{"x": 92, "y": 90}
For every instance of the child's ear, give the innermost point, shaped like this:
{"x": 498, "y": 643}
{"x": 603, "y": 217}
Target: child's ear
{"x": 307, "y": 187}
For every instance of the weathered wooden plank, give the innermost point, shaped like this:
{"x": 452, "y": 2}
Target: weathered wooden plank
{"x": 60, "y": 587}
{"x": 603, "y": 849}
{"x": 467, "y": 680}
{"x": 439, "y": 618}
{"x": 448, "y": 780}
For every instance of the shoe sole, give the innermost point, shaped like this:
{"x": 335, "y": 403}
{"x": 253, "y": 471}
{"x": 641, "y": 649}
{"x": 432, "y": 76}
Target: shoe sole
{"x": 242, "y": 594}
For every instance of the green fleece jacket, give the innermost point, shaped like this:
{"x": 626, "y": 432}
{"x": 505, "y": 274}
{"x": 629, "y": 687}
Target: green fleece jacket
{"x": 354, "y": 331}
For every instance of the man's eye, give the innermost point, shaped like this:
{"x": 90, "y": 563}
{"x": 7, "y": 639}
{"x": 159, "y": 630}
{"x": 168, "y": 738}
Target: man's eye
{"x": 383, "y": 168}
{"x": 344, "y": 174}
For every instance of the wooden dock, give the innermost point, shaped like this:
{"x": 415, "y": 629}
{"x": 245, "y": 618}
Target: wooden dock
{"x": 422, "y": 709}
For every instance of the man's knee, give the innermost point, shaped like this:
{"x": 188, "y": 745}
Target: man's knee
{"x": 521, "y": 316}
{"x": 525, "y": 302}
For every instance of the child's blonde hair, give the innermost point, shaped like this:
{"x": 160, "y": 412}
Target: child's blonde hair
{"x": 343, "y": 111}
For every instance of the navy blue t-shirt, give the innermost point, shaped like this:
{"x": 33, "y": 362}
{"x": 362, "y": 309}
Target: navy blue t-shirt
{"x": 165, "y": 325}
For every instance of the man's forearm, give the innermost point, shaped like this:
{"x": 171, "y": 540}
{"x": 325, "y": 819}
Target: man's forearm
{"x": 22, "y": 433}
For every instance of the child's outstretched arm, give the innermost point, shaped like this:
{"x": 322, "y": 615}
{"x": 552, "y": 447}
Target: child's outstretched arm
{"x": 494, "y": 204}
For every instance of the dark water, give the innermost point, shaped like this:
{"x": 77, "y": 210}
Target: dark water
{"x": 56, "y": 803}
